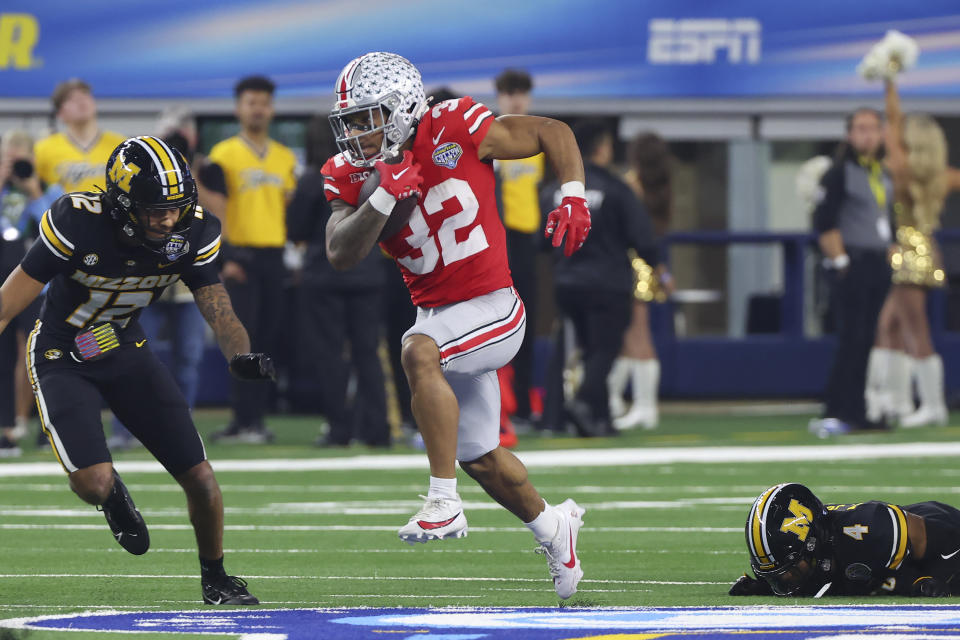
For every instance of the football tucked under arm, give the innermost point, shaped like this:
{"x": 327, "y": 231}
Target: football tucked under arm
{"x": 402, "y": 210}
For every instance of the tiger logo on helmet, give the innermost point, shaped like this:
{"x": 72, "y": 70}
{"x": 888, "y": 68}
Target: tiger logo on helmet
{"x": 144, "y": 173}
{"x": 788, "y": 538}
{"x": 377, "y": 92}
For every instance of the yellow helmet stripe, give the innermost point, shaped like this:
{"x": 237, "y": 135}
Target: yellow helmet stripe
{"x": 757, "y": 534}
{"x": 899, "y": 549}
{"x": 163, "y": 160}
{"x": 169, "y": 163}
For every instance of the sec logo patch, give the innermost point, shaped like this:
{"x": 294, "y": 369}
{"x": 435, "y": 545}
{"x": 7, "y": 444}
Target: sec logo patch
{"x": 53, "y": 354}
{"x": 91, "y": 259}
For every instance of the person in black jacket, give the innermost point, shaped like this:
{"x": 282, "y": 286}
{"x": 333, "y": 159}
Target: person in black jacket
{"x": 337, "y": 307}
{"x": 594, "y": 286}
{"x": 853, "y": 223}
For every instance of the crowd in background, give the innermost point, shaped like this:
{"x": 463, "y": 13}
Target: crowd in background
{"x": 336, "y": 335}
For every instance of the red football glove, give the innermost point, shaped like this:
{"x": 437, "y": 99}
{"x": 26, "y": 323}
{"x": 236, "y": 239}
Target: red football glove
{"x": 401, "y": 180}
{"x": 573, "y": 218}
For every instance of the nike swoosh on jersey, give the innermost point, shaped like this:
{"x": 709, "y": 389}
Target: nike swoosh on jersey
{"x": 572, "y": 562}
{"x": 949, "y": 555}
{"x": 435, "y": 525}
{"x": 437, "y": 139}
{"x": 396, "y": 176}
{"x": 164, "y": 266}
{"x": 141, "y": 342}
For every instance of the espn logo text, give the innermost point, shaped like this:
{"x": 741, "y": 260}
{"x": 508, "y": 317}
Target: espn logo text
{"x": 700, "y": 41}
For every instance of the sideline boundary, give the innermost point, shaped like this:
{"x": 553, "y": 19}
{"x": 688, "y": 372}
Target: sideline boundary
{"x": 542, "y": 459}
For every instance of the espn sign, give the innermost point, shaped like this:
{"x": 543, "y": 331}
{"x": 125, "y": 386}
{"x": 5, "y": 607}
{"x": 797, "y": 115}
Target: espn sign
{"x": 697, "y": 41}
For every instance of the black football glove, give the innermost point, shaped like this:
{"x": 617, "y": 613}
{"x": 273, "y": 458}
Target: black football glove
{"x": 747, "y": 586}
{"x": 930, "y": 588}
{"x": 252, "y": 366}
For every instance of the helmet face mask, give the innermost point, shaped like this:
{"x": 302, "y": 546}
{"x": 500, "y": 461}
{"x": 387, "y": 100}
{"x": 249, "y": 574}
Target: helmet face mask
{"x": 377, "y": 93}
{"x": 787, "y": 537}
{"x": 792, "y": 576}
{"x": 369, "y": 121}
{"x": 145, "y": 180}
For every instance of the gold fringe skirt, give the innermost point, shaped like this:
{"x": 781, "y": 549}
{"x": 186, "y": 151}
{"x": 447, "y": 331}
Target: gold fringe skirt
{"x": 916, "y": 260}
{"x": 647, "y": 286}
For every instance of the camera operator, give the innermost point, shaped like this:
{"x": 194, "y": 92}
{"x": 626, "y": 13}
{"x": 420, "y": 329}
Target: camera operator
{"x": 23, "y": 200}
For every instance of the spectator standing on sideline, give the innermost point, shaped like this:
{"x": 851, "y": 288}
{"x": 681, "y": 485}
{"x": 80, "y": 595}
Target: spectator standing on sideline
{"x": 518, "y": 182}
{"x": 594, "y": 286}
{"x": 260, "y": 178}
{"x": 338, "y": 307}
{"x": 75, "y": 158}
{"x": 853, "y": 224}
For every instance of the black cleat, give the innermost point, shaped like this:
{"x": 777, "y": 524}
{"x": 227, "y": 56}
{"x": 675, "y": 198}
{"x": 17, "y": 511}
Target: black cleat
{"x": 125, "y": 521}
{"x": 225, "y": 589}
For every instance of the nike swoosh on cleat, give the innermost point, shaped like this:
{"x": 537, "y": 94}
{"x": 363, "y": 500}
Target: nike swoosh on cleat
{"x": 435, "y": 525}
{"x": 437, "y": 139}
{"x": 396, "y": 176}
{"x": 949, "y": 555}
{"x": 570, "y": 564}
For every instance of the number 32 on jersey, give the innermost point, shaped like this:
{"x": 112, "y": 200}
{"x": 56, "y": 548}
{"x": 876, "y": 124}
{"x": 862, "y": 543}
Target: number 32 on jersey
{"x": 444, "y": 242}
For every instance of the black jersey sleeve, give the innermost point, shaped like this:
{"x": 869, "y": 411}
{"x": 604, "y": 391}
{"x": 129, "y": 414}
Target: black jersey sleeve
{"x": 205, "y": 269}
{"x": 60, "y": 233}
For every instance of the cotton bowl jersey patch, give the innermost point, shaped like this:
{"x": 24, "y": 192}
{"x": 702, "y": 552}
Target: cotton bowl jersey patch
{"x": 447, "y": 155}
{"x": 497, "y": 623}
{"x": 177, "y": 246}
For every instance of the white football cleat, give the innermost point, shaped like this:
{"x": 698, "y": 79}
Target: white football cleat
{"x": 561, "y": 552}
{"x": 439, "y": 518}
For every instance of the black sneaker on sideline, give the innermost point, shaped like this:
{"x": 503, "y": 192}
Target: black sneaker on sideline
{"x": 125, "y": 521}
{"x": 225, "y": 589}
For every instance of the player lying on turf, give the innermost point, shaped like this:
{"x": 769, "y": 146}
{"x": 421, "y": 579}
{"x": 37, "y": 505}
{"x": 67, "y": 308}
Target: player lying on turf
{"x": 106, "y": 256}
{"x": 451, "y": 250}
{"x": 800, "y": 547}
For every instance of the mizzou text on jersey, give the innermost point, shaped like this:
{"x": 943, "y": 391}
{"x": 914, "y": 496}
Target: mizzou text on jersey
{"x": 95, "y": 279}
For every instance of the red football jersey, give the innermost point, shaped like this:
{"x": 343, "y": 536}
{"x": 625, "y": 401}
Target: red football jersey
{"x": 453, "y": 248}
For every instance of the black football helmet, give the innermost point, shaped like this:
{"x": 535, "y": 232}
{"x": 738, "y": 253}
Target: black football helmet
{"x": 788, "y": 539}
{"x": 145, "y": 173}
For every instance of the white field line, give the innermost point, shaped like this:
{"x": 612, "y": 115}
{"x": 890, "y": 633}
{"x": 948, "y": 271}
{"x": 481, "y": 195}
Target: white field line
{"x": 143, "y": 576}
{"x": 367, "y": 508}
{"x": 360, "y": 528}
{"x": 465, "y": 488}
{"x": 551, "y": 459}
{"x": 593, "y": 552}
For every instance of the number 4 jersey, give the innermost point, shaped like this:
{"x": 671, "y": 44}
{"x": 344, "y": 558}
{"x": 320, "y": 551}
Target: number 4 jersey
{"x": 453, "y": 247}
{"x": 94, "y": 277}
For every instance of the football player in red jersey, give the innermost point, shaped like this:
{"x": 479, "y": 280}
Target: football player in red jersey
{"x": 452, "y": 254}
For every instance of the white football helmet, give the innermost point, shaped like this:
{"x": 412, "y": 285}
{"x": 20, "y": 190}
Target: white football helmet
{"x": 383, "y": 82}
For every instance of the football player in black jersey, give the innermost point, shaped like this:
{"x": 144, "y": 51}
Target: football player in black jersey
{"x": 800, "y": 547}
{"x": 106, "y": 256}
